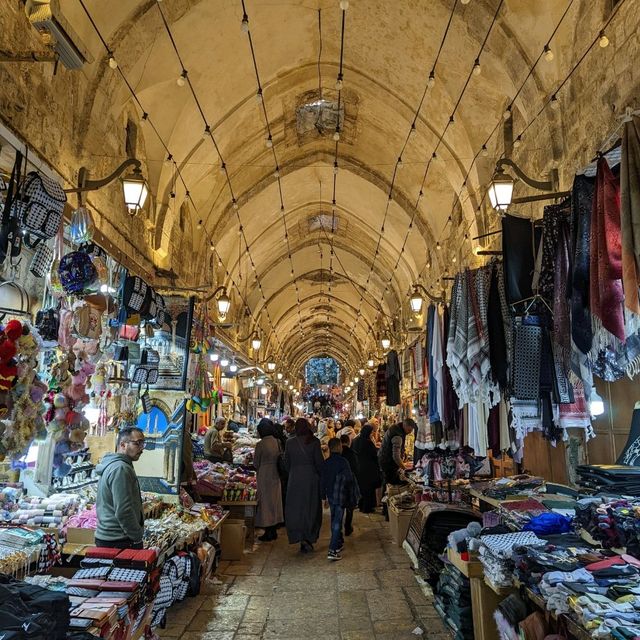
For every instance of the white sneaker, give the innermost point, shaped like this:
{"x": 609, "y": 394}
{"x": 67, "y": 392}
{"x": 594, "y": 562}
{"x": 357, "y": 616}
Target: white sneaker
{"x": 334, "y": 555}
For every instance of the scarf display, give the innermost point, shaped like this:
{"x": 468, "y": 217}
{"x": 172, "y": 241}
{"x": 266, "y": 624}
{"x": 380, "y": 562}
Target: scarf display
{"x": 518, "y": 255}
{"x": 630, "y": 214}
{"x": 605, "y": 262}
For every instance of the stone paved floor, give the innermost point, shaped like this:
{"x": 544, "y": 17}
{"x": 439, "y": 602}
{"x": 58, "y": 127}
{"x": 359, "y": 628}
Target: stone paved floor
{"x": 276, "y": 593}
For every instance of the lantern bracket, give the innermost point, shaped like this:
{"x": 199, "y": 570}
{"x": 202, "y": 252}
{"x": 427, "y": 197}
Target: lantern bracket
{"x": 84, "y": 184}
{"x": 422, "y": 289}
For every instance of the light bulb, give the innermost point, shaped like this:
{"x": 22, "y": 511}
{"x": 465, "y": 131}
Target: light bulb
{"x": 485, "y": 151}
{"x": 286, "y": 382}
{"x": 276, "y": 173}
{"x": 244, "y": 26}
{"x": 269, "y": 141}
{"x": 199, "y": 225}
{"x": 260, "y": 381}
{"x": 438, "y": 246}
{"x": 213, "y": 357}
{"x": 603, "y": 41}
{"x": 233, "y": 367}
{"x": 335, "y": 168}
{"x": 507, "y": 113}
{"x": 212, "y": 247}
{"x": 356, "y": 380}
{"x": 224, "y": 362}
{"x": 236, "y": 206}
{"x": 264, "y": 390}
{"x": 477, "y": 69}
{"x": 432, "y": 79}
{"x": 400, "y": 163}
{"x": 259, "y": 96}
{"x": 182, "y": 79}
{"x": 344, "y": 4}
{"x": 113, "y": 63}
{"x": 361, "y": 372}
{"x": 517, "y": 142}
{"x": 339, "y": 83}
{"x": 465, "y": 1}
{"x": 555, "y": 103}
{"x": 336, "y": 136}
{"x": 548, "y": 53}
{"x": 454, "y": 259}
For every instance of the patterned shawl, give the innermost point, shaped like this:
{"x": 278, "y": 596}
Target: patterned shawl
{"x": 630, "y": 214}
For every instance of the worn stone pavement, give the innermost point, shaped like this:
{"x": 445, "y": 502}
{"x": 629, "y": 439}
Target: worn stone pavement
{"x": 276, "y": 593}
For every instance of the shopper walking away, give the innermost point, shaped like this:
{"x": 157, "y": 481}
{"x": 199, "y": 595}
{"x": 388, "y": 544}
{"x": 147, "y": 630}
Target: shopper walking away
{"x": 303, "y": 510}
{"x": 118, "y": 501}
{"x": 368, "y": 474}
{"x": 340, "y": 490}
{"x": 392, "y": 451}
{"x": 350, "y": 457}
{"x": 269, "y": 512}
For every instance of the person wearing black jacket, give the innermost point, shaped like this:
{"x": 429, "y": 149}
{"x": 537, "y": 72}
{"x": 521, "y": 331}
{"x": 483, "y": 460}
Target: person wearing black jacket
{"x": 350, "y": 457}
{"x": 368, "y": 474}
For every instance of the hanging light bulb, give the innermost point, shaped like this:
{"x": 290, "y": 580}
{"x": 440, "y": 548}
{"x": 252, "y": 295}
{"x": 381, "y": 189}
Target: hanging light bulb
{"x": 233, "y": 367}
{"x": 370, "y": 363}
{"x": 207, "y": 132}
{"x": 290, "y": 387}
{"x": 259, "y": 96}
{"x": 603, "y": 41}
{"x": 244, "y": 25}
{"x": 113, "y": 63}
{"x": 199, "y": 225}
{"x": 182, "y": 78}
{"x": 477, "y": 69}
{"x": 214, "y": 357}
{"x": 260, "y": 381}
{"x": 269, "y": 141}
{"x": 517, "y": 142}
{"x": 400, "y": 163}
{"x": 336, "y": 135}
{"x": 212, "y": 247}
{"x": 276, "y": 173}
{"x": 224, "y": 362}
{"x": 507, "y": 113}
{"x": 286, "y": 382}
{"x": 264, "y": 390}
{"x": 485, "y": 151}
{"x": 555, "y": 103}
{"x": 548, "y": 53}
{"x": 339, "y": 82}
{"x": 335, "y": 168}
{"x": 438, "y": 246}
{"x": 385, "y": 342}
{"x": 344, "y": 4}
{"x": 361, "y": 372}
{"x": 279, "y": 375}
{"x": 356, "y": 380}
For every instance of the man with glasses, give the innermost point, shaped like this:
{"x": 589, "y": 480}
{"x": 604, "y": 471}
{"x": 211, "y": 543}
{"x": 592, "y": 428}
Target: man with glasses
{"x": 119, "y": 503}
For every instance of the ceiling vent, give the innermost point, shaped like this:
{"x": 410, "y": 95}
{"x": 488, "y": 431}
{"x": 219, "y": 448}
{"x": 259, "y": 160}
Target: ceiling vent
{"x": 322, "y": 116}
{"x": 46, "y": 17}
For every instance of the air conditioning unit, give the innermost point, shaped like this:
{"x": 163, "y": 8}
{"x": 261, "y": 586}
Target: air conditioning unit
{"x": 47, "y": 18}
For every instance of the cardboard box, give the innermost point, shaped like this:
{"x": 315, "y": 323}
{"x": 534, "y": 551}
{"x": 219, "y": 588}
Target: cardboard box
{"x": 232, "y": 539}
{"x": 80, "y": 536}
{"x": 399, "y": 524}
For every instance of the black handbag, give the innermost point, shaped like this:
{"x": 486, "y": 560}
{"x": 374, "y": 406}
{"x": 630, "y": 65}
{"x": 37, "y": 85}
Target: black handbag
{"x": 48, "y": 324}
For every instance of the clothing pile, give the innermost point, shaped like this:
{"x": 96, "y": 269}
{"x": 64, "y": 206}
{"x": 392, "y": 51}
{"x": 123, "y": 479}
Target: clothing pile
{"x": 453, "y": 602}
{"x": 618, "y": 479}
{"x": 496, "y": 554}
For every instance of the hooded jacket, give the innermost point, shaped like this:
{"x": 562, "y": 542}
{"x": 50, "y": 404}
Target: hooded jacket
{"x": 119, "y": 503}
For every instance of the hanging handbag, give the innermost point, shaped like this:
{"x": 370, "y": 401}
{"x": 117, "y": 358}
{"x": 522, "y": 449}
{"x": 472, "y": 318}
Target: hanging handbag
{"x": 41, "y": 261}
{"x": 129, "y": 332}
{"x": 150, "y": 357}
{"x": 87, "y": 322}
{"x": 145, "y": 401}
{"x": 82, "y": 226}
{"x": 40, "y": 206}
{"x": 77, "y": 273}
{"x": 145, "y": 374}
{"x": 121, "y": 353}
{"x": 136, "y": 296}
{"x": 48, "y": 324}
{"x": 10, "y": 236}
{"x": 156, "y": 313}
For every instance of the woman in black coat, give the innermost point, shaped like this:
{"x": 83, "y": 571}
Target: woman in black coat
{"x": 369, "y": 476}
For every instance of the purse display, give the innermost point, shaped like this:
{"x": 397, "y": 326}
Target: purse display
{"x": 77, "y": 273}
{"x": 87, "y": 322}
{"x": 41, "y": 261}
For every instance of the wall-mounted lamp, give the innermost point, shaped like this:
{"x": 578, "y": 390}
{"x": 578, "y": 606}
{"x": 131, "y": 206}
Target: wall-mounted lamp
{"x": 223, "y": 303}
{"x": 501, "y": 186}
{"x": 271, "y": 366}
{"x": 256, "y": 343}
{"x": 385, "y": 342}
{"x": 417, "y": 299}
{"x": 134, "y": 186}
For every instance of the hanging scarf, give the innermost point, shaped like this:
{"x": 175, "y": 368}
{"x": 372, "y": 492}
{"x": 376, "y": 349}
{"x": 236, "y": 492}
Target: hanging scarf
{"x": 606, "y": 295}
{"x": 434, "y": 416}
{"x": 630, "y": 213}
{"x": 581, "y": 206}
{"x": 561, "y": 319}
{"x": 553, "y": 218}
{"x": 457, "y": 341}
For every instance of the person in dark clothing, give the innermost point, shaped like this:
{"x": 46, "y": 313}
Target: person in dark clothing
{"x": 392, "y": 451}
{"x": 350, "y": 457}
{"x": 368, "y": 473}
{"x": 336, "y": 478}
{"x": 303, "y": 508}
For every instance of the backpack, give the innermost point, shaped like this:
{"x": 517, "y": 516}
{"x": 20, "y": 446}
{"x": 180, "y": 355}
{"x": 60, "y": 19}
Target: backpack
{"x": 136, "y": 297}
{"x": 40, "y": 206}
{"x": 76, "y": 272}
{"x": 192, "y": 572}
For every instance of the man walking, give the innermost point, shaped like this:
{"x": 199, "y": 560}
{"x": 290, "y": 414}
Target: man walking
{"x": 119, "y": 503}
{"x": 392, "y": 451}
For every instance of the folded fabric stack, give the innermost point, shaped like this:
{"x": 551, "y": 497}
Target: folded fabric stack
{"x": 616, "y": 479}
{"x": 453, "y": 602}
{"x": 52, "y": 511}
{"x": 496, "y": 554}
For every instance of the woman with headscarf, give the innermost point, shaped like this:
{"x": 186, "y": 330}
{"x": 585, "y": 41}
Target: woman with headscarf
{"x": 369, "y": 476}
{"x": 303, "y": 509}
{"x": 269, "y": 512}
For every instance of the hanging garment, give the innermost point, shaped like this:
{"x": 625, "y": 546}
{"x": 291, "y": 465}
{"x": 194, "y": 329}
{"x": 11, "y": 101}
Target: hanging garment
{"x": 527, "y": 351}
{"x": 561, "y": 317}
{"x": 434, "y": 416}
{"x": 450, "y": 411}
{"x": 381, "y": 381}
{"x": 457, "y": 339}
{"x": 493, "y": 429}
{"x": 606, "y": 296}
{"x": 438, "y": 360}
{"x": 418, "y": 363}
{"x": 576, "y": 415}
{"x": 554, "y": 217}
{"x": 518, "y": 255}
{"x": 630, "y": 213}
{"x": 478, "y": 437}
{"x": 361, "y": 395}
{"x": 581, "y": 207}
{"x": 498, "y": 352}
{"x": 393, "y": 378}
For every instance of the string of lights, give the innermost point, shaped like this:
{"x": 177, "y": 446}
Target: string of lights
{"x": 146, "y": 118}
{"x": 183, "y": 79}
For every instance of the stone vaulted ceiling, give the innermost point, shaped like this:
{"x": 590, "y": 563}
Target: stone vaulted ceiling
{"x": 336, "y": 265}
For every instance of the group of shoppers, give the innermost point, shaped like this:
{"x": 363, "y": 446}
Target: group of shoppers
{"x": 293, "y": 477}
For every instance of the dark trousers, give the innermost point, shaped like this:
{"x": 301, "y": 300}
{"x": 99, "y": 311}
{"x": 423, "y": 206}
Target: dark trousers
{"x": 337, "y": 515}
{"x": 124, "y": 543}
{"x": 348, "y": 520}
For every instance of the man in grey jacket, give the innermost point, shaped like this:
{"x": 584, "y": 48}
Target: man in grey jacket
{"x": 119, "y": 503}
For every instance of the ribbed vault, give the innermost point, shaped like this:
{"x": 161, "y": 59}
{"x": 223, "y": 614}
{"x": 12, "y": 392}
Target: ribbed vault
{"x": 348, "y": 281}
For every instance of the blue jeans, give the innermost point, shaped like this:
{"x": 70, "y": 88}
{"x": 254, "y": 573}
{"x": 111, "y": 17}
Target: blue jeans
{"x": 337, "y": 514}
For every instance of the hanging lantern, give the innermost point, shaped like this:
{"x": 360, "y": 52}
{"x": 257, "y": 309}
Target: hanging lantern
{"x": 386, "y": 343}
{"x": 416, "y": 301}
{"x": 82, "y": 226}
{"x": 501, "y": 190}
{"x": 135, "y": 191}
